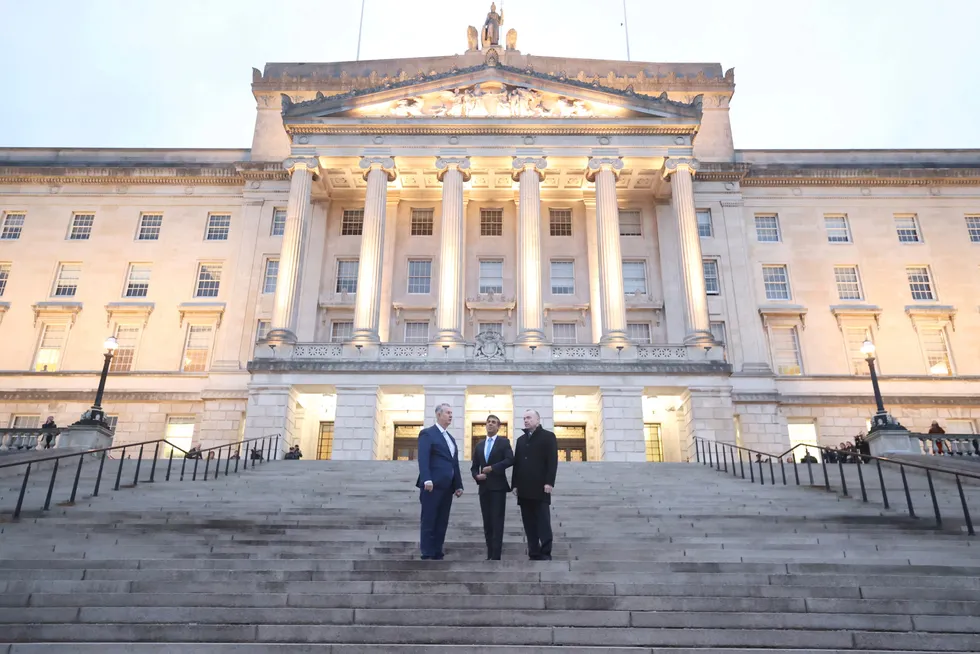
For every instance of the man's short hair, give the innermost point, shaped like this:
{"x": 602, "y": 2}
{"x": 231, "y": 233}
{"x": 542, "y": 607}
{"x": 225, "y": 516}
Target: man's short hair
{"x": 442, "y": 407}
{"x": 494, "y": 417}
{"x": 538, "y": 415}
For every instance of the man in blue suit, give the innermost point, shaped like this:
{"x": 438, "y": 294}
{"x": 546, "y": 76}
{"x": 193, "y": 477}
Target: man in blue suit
{"x": 439, "y": 480}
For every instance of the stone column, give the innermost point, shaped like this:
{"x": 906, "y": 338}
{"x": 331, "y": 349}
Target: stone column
{"x": 604, "y": 171}
{"x": 378, "y": 171}
{"x": 298, "y": 212}
{"x": 696, "y": 301}
{"x": 530, "y": 307}
{"x": 453, "y": 171}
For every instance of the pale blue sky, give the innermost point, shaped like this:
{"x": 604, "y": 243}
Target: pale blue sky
{"x": 815, "y": 74}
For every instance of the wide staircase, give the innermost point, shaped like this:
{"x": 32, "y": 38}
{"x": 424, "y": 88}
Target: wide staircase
{"x": 310, "y": 556}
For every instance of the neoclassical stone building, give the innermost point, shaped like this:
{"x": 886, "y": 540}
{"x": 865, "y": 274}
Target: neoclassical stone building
{"x": 500, "y": 232}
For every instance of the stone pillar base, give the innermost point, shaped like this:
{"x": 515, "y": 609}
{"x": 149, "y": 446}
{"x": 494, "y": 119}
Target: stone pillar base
{"x": 884, "y": 442}
{"x": 86, "y": 437}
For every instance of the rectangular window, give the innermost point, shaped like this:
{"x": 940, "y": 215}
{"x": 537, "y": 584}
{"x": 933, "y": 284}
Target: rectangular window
{"x": 196, "y": 348}
{"x": 25, "y": 422}
{"x": 634, "y": 277}
{"x": 935, "y": 347}
{"x": 262, "y": 330}
{"x": 4, "y": 276}
{"x": 848, "y": 283}
{"x": 419, "y": 276}
{"x": 630, "y": 222}
{"x": 854, "y": 338}
{"x": 219, "y": 226}
{"x": 491, "y": 276}
{"x": 776, "y": 281}
{"x": 417, "y": 332}
{"x": 561, "y": 222}
{"x": 785, "y": 350}
{"x": 111, "y": 422}
{"x": 127, "y": 338}
{"x": 352, "y": 223}
{"x": 920, "y": 283}
{"x": 704, "y": 223}
{"x": 278, "y": 221}
{"x": 347, "y": 276}
{"x": 717, "y": 328}
{"x": 13, "y": 225}
{"x": 907, "y": 228}
{"x": 973, "y": 228}
{"x": 564, "y": 333}
{"x": 495, "y": 327}
{"x": 271, "y": 275}
{"x": 341, "y": 331}
{"x": 208, "y": 280}
{"x": 50, "y": 347}
{"x": 838, "y": 231}
{"x": 138, "y": 280}
{"x": 562, "y": 278}
{"x": 712, "y": 285}
{"x": 150, "y": 224}
{"x": 639, "y": 332}
{"x": 491, "y": 222}
{"x": 422, "y": 222}
{"x": 66, "y": 284}
{"x": 81, "y": 226}
{"x": 655, "y": 449}
{"x": 767, "y": 228}
{"x": 180, "y": 433}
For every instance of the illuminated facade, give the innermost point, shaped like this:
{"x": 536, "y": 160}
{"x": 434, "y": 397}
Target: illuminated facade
{"x": 499, "y": 232}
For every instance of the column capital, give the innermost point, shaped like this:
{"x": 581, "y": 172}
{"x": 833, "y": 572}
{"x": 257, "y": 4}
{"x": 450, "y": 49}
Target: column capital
{"x": 537, "y": 164}
{"x": 462, "y": 164}
{"x": 614, "y": 164}
{"x": 386, "y": 164}
{"x": 306, "y": 163}
{"x": 673, "y": 164}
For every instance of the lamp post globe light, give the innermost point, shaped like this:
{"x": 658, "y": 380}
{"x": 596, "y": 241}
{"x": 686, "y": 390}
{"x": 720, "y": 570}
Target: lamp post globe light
{"x": 881, "y": 418}
{"x": 95, "y": 415}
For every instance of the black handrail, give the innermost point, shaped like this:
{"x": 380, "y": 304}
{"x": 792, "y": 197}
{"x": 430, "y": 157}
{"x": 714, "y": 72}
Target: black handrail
{"x": 103, "y": 455}
{"x": 705, "y": 456}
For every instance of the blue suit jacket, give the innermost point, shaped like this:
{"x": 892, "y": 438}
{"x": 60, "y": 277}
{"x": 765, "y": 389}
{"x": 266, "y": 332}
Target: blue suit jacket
{"x": 436, "y": 462}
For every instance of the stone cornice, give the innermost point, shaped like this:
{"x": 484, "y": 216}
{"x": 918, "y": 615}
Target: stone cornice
{"x": 749, "y": 175}
{"x": 472, "y": 128}
{"x": 851, "y": 400}
{"x": 235, "y": 175}
{"x": 276, "y": 366}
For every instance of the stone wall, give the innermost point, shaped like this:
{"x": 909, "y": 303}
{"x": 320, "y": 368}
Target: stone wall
{"x": 707, "y": 413}
{"x": 762, "y": 427}
{"x": 622, "y": 424}
{"x": 357, "y": 426}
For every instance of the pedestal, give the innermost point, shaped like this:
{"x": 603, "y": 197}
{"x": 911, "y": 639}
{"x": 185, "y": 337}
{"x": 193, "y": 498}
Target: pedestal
{"x": 884, "y": 442}
{"x": 86, "y": 437}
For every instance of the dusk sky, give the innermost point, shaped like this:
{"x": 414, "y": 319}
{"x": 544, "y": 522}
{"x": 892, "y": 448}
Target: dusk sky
{"x": 819, "y": 74}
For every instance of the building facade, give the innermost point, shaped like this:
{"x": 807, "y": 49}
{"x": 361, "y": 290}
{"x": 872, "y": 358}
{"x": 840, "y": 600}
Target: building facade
{"x": 500, "y": 232}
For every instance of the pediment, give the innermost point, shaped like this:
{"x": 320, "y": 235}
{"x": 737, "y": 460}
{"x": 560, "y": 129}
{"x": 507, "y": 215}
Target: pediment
{"x": 491, "y": 92}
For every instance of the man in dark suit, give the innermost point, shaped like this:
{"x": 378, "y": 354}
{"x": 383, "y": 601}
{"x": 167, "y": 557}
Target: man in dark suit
{"x": 491, "y": 458}
{"x": 535, "y": 468}
{"x": 439, "y": 480}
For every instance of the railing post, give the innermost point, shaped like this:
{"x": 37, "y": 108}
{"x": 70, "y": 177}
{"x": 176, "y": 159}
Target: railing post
{"x": 170, "y": 463}
{"x": 98, "y": 479}
{"x": 762, "y": 475}
{"x": 751, "y": 470}
{"x": 966, "y": 509}
{"x": 194, "y": 476}
{"x": 881, "y": 480}
{"x": 935, "y": 502}
{"x": 139, "y": 462}
{"x": 796, "y": 470}
{"x": 843, "y": 482}
{"x": 268, "y": 456}
{"x": 826, "y": 477}
{"x": 207, "y": 466}
{"x": 122, "y": 459}
{"x": 908, "y": 495}
{"x": 782, "y": 469}
{"x": 23, "y": 489}
{"x": 54, "y": 473}
{"x": 772, "y": 472}
{"x": 262, "y": 452}
{"x": 741, "y": 464}
{"x": 239, "y": 449}
{"x": 864, "y": 493}
{"x": 217, "y": 464}
{"x": 183, "y": 465}
{"x": 809, "y": 469}
{"x": 78, "y": 474}
{"x": 717, "y": 458}
{"x": 228, "y": 461}
{"x": 153, "y": 468}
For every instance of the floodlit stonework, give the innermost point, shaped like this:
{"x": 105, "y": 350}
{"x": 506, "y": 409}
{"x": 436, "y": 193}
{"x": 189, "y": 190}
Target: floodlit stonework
{"x": 499, "y": 232}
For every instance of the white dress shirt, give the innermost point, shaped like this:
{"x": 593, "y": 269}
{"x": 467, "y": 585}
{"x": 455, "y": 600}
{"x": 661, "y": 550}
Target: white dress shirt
{"x": 449, "y": 444}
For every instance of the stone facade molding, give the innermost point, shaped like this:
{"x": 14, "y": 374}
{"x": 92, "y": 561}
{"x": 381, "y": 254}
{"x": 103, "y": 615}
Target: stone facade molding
{"x": 750, "y": 175}
{"x": 387, "y": 164}
{"x": 524, "y": 367}
{"x": 193, "y": 175}
{"x": 462, "y": 164}
{"x": 537, "y": 164}
{"x": 614, "y": 164}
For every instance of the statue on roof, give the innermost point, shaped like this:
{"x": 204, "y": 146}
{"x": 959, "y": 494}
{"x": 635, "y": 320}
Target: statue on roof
{"x": 491, "y": 27}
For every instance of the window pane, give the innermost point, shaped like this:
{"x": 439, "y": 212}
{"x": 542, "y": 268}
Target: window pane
{"x": 712, "y": 286}
{"x": 634, "y": 277}
{"x": 837, "y": 229}
{"x": 936, "y": 350}
{"x": 219, "y": 225}
{"x": 561, "y": 222}
{"x": 4, "y": 276}
{"x": 262, "y": 330}
{"x": 271, "y": 275}
{"x": 973, "y": 228}
{"x": 776, "y": 282}
{"x": 352, "y": 223}
{"x": 491, "y": 222}
{"x": 278, "y": 222}
{"x": 491, "y": 276}
{"x": 767, "y": 228}
{"x": 49, "y": 350}
{"x": 138, "y": 281}
{"x": 25, "y": 422}
{"x": 495, "y": 327}
{"x": 654, "y": 446}
{"x": 786, "y": 351}
{"x": 197, "y": 347}
{"x": 907, "y": 228}
{"x": 341, "y": 331}
{"x": 848, "y": 282}
{"x": 347, "y": 276}
{"x": 562, "y": 278}
{"x": 419, "y": 276}
{"x": 422, "y": 222}
{"x": 13, "y": 224}
{"x": 919, "y": 283}
{"x": 180, "y": 432}
{"x": 127, "y": 336}
{"x": 81, "y": 226}
{"x": 638, "y": 332}
{"x": 704, "y": 223}
{"x": 854, "y": 338}
{"x": 67, "y": 282}
{"x": 417, "y": 332}
{"x": 208, "y": 280}
{"x": 564, "y": 333}
{"x": 630, "y": 223}
{"x": 718, "y": 333}
{"x": 150, "y": 224}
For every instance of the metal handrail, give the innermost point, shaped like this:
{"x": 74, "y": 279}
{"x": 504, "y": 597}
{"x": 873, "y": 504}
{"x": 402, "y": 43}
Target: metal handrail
{"x": 703, "y": 455}
{"x": 56, "y": 458}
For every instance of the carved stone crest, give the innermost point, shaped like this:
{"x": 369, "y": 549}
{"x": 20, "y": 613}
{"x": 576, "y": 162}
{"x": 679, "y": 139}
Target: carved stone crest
{"x": 489, "y": 347}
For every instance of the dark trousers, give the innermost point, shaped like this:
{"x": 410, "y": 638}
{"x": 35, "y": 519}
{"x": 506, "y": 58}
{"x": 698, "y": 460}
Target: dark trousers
{"x": 435, "y": 520}
{"x": 537, "y": 527}
{"x": 493, "y": 505}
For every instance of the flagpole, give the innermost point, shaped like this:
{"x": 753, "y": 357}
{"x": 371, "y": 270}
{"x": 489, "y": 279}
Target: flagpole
{"x": 626, "y": 25}
{"x": 360, "y": 28}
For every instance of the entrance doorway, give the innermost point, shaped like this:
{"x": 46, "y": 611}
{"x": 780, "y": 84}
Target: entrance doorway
{"x": 571, "y": 442}
{"x": 324, "y": 446}
{"x": 406, "y": 445}
{"x": 804, "y": 433}
{"x": 655, "y": 448}
{"x": 479, "y": 431}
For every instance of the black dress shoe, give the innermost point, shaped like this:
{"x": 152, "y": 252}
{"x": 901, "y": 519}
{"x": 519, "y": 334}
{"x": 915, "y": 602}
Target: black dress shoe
{"x": 534, "y": 557}
{"x": 439, "y": 557}
{"x": 544, "y": 557}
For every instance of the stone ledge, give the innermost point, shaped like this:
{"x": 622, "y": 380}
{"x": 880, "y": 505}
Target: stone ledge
{"x": 559, "y": 367}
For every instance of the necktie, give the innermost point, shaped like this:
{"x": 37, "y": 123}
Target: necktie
{"x": 487, "y": 450}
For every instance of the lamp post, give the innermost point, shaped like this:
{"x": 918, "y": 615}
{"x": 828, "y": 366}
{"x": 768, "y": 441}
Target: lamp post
{"x": 881, "y": 419}
{"x": 95, "y": 415}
